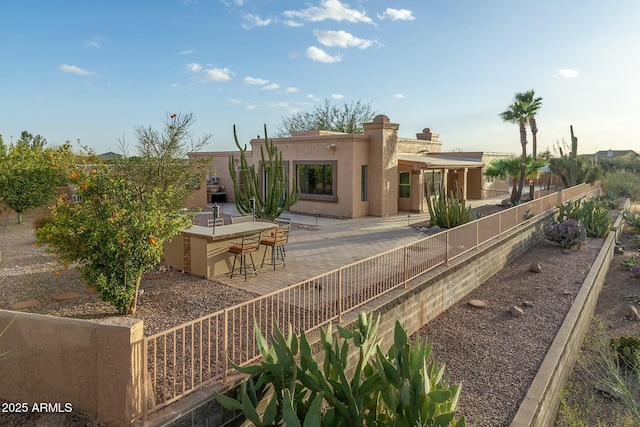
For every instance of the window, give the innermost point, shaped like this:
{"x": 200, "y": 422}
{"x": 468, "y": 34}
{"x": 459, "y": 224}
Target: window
{"x": 364, "y": 183}
{"x": 433, "y": 180}
{"x": 404, "y": 185}
{"x": 76, "y": 198}
{"x": 317, "y": 181}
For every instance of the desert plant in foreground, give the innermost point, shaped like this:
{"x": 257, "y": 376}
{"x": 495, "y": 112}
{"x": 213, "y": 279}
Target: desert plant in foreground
{"x": 397, "y": 389}
{"x": 568, "y": 233}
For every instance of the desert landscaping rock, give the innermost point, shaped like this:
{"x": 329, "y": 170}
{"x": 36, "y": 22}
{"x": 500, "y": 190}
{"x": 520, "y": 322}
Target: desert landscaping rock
{"x": 632, "y": 313}
{"x": 535, "y": 267}
{"x": 516, "y": 311}
{"x": 65, "y": 296}
{"x": 25, "y": 304}
{"x": 478, "y": 303}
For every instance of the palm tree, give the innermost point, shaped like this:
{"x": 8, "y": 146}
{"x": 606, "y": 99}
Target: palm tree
{"x": 533, "y": 104}
{"x": 518, "y": 114}
{"x": 510, "y": 168}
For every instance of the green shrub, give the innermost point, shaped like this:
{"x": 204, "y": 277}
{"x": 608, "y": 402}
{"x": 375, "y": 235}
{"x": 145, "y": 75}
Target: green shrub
{"x": 593, "y": 214}
{"x": 567, "y": 233}
{"x": 397, "y": 389}
{"x": 631, "y": 219}
{"x": 448, "y": 212}
{"x": 622, "y": 184}
{"x": 630, "y": 261}
{"x": 628, "y": 350}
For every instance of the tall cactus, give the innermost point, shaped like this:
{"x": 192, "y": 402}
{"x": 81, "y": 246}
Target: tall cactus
{"x": 573, "y": 171}
{"x": 277, "y": 196}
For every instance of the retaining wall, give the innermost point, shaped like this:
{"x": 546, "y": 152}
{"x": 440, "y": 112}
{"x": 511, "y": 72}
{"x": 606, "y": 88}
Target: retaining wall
{"x": 87, "y": 366}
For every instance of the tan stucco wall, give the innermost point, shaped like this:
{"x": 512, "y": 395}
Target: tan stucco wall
{"x": 94, "y": 366}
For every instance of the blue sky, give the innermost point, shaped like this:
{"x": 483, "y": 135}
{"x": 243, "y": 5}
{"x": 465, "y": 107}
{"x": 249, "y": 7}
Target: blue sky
{"x": 94, "y": 70}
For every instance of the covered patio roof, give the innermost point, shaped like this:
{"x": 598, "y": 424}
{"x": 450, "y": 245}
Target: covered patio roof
{"x": 425, "y": 161}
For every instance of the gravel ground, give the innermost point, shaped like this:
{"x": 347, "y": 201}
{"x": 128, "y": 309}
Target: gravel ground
{"x": 493, "y": 353}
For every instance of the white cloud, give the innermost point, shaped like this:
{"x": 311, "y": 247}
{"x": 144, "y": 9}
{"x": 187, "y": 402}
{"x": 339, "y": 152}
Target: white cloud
{"x": 74, "y": 70}
{"x": 398, "y": 96}
{"x": 337, "y": 96}
{"x": 235, "y": 101}
{"x": 319, "y": 55}
{"x": 291, "y": 89}
{"x": 290, "y": 23}
{"x": 341, "y": 39}
{"x": 94, "y": 42}
{"x": 567, "y": 73}
{"x": 313, "y": 97}
{"x": 254, "y": 81}
{"x": 186, "y": 52}
{"x": 272, "y": 86}
{"x": 252, "y": 21}
{"x": 328, "y": 9}
{"x": 216, "y": 75}
{"x": 194, "y": 68}
{"x": 397, "y": 14}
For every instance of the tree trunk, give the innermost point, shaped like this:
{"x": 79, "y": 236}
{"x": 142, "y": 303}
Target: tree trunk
{"x": 523, "y": 166}
{"x": 134, "y": 302}
{"x": 534, "y": 138}
{"x": 19, "y": 217}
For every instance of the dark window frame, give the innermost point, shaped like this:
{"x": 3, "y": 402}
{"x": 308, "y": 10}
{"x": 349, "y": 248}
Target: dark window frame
{"x": 334, "y": 176}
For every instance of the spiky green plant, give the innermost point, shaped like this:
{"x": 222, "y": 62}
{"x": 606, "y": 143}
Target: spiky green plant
{"x": 448, "y": 212}
{"x": 277, "y": 196}
{"x": 397, "y": 389}
{"x": 593, "y": 214}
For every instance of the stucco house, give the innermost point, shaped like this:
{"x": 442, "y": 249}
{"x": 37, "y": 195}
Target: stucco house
{"x": 353, "y": 175}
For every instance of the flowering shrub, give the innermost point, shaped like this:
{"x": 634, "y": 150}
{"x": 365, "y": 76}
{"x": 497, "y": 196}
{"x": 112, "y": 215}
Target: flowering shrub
{"x": 112, "y": 236}
{"x": 568, "y": 233}
{"x": 635, "y": 272}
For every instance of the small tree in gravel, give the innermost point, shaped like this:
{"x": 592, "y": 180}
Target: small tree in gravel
{"x": 112, "y": 235}
{"x": 127, "y": 211}
{"x": 30, "y": 173}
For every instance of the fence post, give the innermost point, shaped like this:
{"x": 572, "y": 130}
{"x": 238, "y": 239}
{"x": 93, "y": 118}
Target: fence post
{"x": 225, "y": 346}
{"x": 446, "y": 250}
{"x": 340, "y": 295}
{"x": 145, "y": 376}
{"x": 405, "y": 262}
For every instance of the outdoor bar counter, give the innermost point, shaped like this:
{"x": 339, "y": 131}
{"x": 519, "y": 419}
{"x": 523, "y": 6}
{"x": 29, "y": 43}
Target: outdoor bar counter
{"x": 200, "y": 252}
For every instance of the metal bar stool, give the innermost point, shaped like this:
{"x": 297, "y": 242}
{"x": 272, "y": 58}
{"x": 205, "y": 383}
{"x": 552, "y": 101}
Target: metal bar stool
{"x": 276, "y": 241}
{"x": 250, "y": 243}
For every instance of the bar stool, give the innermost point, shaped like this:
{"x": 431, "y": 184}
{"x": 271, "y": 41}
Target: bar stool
{"x": 250, "y": 243}
{"x": 276, "y": 241}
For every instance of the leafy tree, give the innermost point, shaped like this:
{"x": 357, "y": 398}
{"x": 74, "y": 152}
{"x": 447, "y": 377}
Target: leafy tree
{"x": 520, "y": 112}
{"x": 30, "y": 173}
{"x": 278, "y": 197}
{"x": 115, "y": 234}
{"x": 347, "y": 117}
